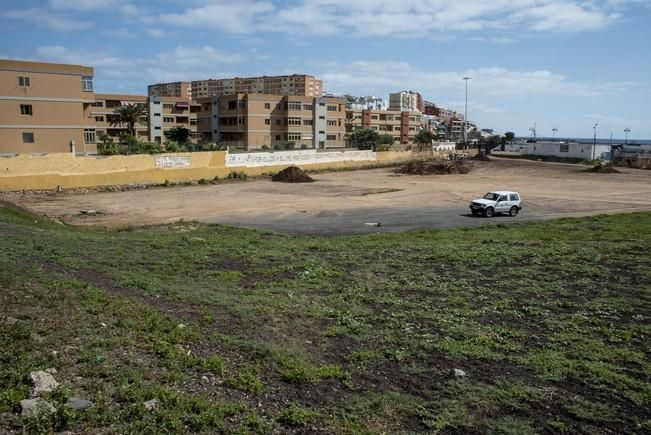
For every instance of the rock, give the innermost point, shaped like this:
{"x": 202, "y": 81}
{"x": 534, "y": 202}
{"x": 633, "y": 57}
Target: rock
{"x": 458, "y": 373}
{"x": 78, "y": 404}
{"x": 43, "y": 382}
{"x": 51, "y": 371}
{"x": 35, "y": 407}
{"x": 150, "y": 405}
{"x": 205, "y": 379}
{"x": 197, "y": 239}
{"x": 180, "y": 326}
{"x": 102, "y": 324}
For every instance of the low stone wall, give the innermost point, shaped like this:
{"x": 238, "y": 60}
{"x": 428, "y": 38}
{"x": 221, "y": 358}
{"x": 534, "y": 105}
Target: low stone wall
{"x": 39, "y": 172}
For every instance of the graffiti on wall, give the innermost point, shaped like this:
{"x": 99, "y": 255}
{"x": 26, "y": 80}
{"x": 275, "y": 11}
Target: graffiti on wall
{"x": 172, "y": 161}
{"x": 296, "y": 157}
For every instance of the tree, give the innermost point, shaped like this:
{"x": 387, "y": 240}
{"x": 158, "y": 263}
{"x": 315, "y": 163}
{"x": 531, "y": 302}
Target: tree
{"x": 130, "y": 115}
{"x": 509, "y": 136}
{"x": 178, "y": 134}
{"x": 364, "y": 139}
{"x": 424, "y": 139}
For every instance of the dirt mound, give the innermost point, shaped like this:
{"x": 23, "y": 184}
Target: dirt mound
{"x": 435, "y": 167}
{"x": 292, "y": 174}
{"x": 602, "y": 169}
{"x": 481, "y": 157}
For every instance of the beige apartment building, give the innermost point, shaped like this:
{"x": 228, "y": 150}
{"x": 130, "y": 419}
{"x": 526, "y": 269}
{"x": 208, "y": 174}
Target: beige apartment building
{"x": 101, "y": 113}
{"x": 175, "y": 89}
{"x": 297, "y": 84}
{"x": 260, "y": 121}
{"x": 43, "y": 107}
{"x": 402, "y": 126}
{"x": 166, "y": 113}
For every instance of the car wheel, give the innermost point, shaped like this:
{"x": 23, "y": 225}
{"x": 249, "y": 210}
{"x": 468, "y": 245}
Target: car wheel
{"x": 489, "y": 212}
{"x": 514, "y": 211}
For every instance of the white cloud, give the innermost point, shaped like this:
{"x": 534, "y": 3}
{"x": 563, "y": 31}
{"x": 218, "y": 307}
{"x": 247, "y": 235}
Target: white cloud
{"x": 407, "y": 18}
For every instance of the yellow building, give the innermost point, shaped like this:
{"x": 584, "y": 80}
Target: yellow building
{"x": 175, "y": 89}
{"x": 257, "y": 121}
{"x": 43, "y": 107}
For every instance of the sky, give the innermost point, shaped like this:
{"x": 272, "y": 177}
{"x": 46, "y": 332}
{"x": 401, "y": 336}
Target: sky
{"x": 544, "y": 63}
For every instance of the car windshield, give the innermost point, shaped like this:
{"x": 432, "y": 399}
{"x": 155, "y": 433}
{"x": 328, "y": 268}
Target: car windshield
{"x": 491, "y": 196}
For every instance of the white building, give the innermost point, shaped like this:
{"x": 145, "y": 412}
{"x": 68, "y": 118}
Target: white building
{"x": 572, "y": 150}
{"x": 367, "y": 103}
{"x": 405, "y": 101}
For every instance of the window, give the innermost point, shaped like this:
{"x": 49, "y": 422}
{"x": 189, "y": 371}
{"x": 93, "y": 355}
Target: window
{"x": 332, "y": 108}
{"x": 331, "y": 137}
{"x": 156, "y": 114}
{"x": 308, "y": 107}
{"x": 193, "y": 121}
{"x": 293, "y": 121}
{"x": 167, "y": 118}
{"x": 277, "y": 137}
{"x": 97, "y": 104}
{"x": 332, "y": 123}
{"x": 28, "y": 137}
{"x": 322, "y": 117}
{"x": 267, "y": 105}
{"x": 26, "y": 109}
{"x": 24, "y": 82}
{"x": 232, "y": 105}
{"x": 373, "y": 116}
{"x": 307, "y": 122}
{"x": 241, "y": 120}
{"x": 564, "y": 148}
{"x": 321, "y": 132}
{"x": 293, "y": 136}
{"x": 267, "y": 122}
{"x": 87, "y": 83}
{"x": 241, "y": 104}
{"x": 502, "y": 198}
{"x": 89, "y": 136}
{"x": 168, "y": 106}
{"x": 514, "y": 197}
{"x": 294, "y": 105}
{"x": 99, "y": 119}
{"x": 277, "y": 121}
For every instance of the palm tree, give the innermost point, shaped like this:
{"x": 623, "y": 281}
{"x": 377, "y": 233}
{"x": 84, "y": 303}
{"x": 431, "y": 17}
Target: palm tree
{"x": 131, "y": 114}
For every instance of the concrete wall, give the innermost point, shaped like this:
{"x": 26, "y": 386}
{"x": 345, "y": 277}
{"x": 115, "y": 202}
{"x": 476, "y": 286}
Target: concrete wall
{"x": 35, "y": 172}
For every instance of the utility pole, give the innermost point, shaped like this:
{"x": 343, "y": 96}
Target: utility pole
{"x": 465, "y": 116}
{"x": 626, "y": 131}
{"x": 594, "y": 142}
{"x": 554, "y": 131}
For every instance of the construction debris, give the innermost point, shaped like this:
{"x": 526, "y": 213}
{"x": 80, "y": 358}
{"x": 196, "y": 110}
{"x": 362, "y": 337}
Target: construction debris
{"x": 602, "y": 169}
{"x": 435, "y": 167}
{"x": 292, "y": 174}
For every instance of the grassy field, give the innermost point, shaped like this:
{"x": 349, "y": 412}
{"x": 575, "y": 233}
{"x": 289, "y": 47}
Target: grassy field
{"x": 241, "y": 331}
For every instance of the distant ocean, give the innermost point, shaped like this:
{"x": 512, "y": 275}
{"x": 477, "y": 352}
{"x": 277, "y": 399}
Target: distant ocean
{"x": 590, "y": 140}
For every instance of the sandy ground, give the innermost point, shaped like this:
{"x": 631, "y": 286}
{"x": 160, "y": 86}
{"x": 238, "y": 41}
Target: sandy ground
{"x": 346, "y": 202}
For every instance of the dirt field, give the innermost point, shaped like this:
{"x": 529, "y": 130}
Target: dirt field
{"x": 347, "y": 202}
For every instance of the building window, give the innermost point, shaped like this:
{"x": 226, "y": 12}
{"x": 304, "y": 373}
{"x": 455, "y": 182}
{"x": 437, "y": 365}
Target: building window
{"x": 241, "y": 104}
{"x": 267, "y": 105}
{"x": 157, "y": 127}
{"x": 167, "y": 118}
{"x": 277, "y": 137}
{"x": 25, "y": 82}
{"x": 307, "y": 122}
{"x": 89, "y": 136}
{"x": 294, "y": 105}
{"x": 87, "y": 83}
{"x": 99, "y": 119}
{"x": 373, "y": 116}
{"x": 232, "y": 105}
{"x": 321, "y": 117}
{"x": 294, "y": 136}
{"x": 28, "y": 137}
{"x": 168, "y": 106}
{"x": 26, "y": 109}
{"x": 332, "y": 123}
{"x": 293, "y": 121}
{"x": 156, "y": 114}
{"x": 241, "y": 120}
{"x": 321, "y": 132}
{"x": 193, "y": 121}
{"x": 332, "y": 108}
{"x": 564, "y": 148}
{"x": 97, "y": 104}
{"x": 277, "y": 121}
{"x": 308, "y": 107}
{"x": 331, "y": 137}
{"x": 267, "y": 122}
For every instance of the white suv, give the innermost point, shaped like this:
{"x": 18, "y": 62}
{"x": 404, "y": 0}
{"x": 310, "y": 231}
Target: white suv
{"x": 497, "y": 202}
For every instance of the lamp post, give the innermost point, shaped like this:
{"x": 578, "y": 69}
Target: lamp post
{"x": 554, "y": 131}
{"x": 626, "y": 131}
{"x": 465, "y": 116}
{"x": 594, "y": 142}
{"x": 533, "y": 137}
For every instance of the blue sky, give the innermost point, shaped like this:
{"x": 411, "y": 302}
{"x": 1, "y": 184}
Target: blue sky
{"x": 564, "y": 64}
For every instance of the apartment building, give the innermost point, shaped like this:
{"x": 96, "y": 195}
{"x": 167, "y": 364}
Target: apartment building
{"x": 256, "y": 121}
{"x": 166, "y": 113}
{"x": 101, "y": 113}
{"x": 403, "y": 126}
{"x": 368, "y": 102}
{"x": 406, "y": 101}
{"x": 175, "y": 90}
{"x": 297, "y": 84}
{"x": 43, "y": 106}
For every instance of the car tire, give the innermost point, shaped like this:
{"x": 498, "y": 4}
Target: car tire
{"x": 514, "y": 211}
{"x": 489, "y": 213}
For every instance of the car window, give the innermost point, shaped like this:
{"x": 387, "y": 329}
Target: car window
{"x": 514, "y": 197}
{"x": 502, "y": 198}
{"x": 491, "y": 196}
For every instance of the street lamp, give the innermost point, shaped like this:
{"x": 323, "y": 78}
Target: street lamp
{"x": 465, "y": 116}
{"x": 594, "y": 143}
{"x": 627, "y": 131}
{"x": 554, "y": 131}
{"x": 533, "y": 137}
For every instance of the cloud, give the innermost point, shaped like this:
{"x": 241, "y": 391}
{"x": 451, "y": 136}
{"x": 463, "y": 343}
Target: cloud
{"x": 407, "y": 18}
{"x": 53, "y": 21}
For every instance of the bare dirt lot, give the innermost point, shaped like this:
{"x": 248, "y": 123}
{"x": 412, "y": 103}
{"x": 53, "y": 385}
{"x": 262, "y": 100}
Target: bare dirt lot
{"x": 348, "y": 202}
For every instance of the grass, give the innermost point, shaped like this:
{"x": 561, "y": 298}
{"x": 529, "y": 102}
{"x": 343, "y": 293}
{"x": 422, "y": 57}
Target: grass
{"x": 255, "y": 332}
